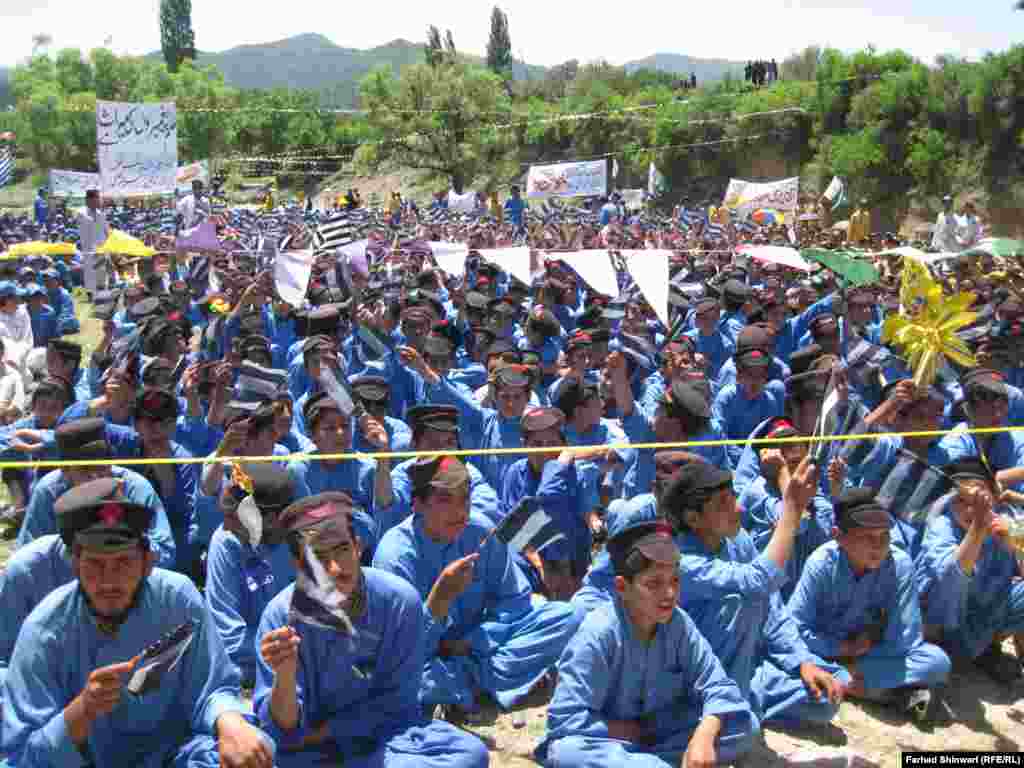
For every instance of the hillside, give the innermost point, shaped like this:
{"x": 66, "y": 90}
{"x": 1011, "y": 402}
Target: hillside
{"x": 707, "y": 70}
{"x": 313, "y": 62}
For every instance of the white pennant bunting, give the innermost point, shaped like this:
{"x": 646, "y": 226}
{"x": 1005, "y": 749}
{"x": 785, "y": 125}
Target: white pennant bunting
{"x": 650, "y": 270}
{"x": 514, "y": 261}
{"x": 594, "y": 268}
{"x": 291, "y": 274}
{"x": 451, "y": 257}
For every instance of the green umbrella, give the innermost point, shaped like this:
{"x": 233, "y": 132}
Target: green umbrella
{"x": 844, "y": 263}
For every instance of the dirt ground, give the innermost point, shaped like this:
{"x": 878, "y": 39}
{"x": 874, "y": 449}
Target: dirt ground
{"x": 980, "y": 716}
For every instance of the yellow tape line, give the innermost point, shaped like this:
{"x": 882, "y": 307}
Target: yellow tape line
{"x": 226, "y": 460}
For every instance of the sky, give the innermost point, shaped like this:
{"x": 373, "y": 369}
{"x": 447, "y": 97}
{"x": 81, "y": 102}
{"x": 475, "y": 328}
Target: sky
{"x": 543, "y": 31}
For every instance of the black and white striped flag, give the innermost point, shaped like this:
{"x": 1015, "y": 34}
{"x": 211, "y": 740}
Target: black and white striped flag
{"x": 528, "y": 527}
{"x": 334, "y": 232}
{"x": 6, "y": 166}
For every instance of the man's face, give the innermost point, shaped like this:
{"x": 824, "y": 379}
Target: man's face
{"x": 752, "y": 380}
{"x": 445, "y": 513}
{"x": 261, "y": 441}
{"x": 652, "y": 595}
{"x": 111, "y": 580}
{"x": 341, "y": 561}
{"x": 859, "y": 311}
{"x": 333, "y": 432}
{"x": 588, "y": 413}
{"x": 866, "y": 548}
{"x": 720, "y": 516}
{"x": 155, "y": 431}
{"x": 988, "y": 410}
{"x": 47, "y": 410}
{"x": 924, "y": 415}
{"x": 705, "y": 321}
{"x": 512, "y": 401}
{"x": 437, "y": 440}
{"x": 543, "y": 438}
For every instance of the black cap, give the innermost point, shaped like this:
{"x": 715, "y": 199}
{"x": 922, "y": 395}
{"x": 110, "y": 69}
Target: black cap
{"x": 543, "y": 322}
{"x": 802, "y": 359}
{"x": 513, "y": 375}
{"x": 736, "y": 291}
{"x": 437, "y": 345}
{"x": 859, "y": 508}
{"x": 687, "y": 398}
{"x": 651, "y": 538}
{"x": 441, "y": 418}
{"x": 477, "y": 301}
{"x": 570, "y": 393}
{"x": 82, "y": 439}
{"x": 55, "y": 387}
{"x": 540, "y": 419}
{"x": 984, "y": 379}
{"x": 156, "y": 404}
{"x": 753, "y": 358}
{"x": 693, "y": 484}
{"x": 144, "y": 308}
{"x": 67, "y": 349}
{"x": 755, "y": 336}
{"x": 371, "y": 389}
{"x": 271, "y": 487}
{"x": 323, "y": 320}
{"x": 318, "y": 343}
{"x": 706, "y": 305}
{"x": 446, "y": 472}
{"x": 317, "y": 403}
{"x": 824, "y": 325}
{"x": 807, "y": 386}
{"x": 969, "y": 468}
{"x": 97, "y": 515}
{"x": 578, "y": 340}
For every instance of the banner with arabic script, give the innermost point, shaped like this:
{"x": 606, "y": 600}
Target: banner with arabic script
{"x": 137, "y": 147}
{"x": 72, "y": 183}
{"x": 745, "y": 197}
{"x": 568, "y": 180}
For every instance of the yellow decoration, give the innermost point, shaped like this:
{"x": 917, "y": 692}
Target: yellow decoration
{"x": 239, "y": 478}
{"x": 39, "y": 248}
{"x": 220, "y": 307}
{"x": 125, "y": 245}
{"x": 926, "y": 329}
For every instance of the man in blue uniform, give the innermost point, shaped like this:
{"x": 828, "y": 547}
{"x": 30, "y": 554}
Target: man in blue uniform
{"x": 857, "y": 603}
{"x": 348, "y": 692}
{"x": 638, "y": 685}
{"x": 482, "y": 633}
{"x": 66, "y": 702}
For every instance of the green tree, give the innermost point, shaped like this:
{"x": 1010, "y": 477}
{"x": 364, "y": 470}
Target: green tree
{"x": 499, "y": 45}
{"x": 433, "y": 51}
{"x": 443, "y": 122}
{"x": 177, "y": 40}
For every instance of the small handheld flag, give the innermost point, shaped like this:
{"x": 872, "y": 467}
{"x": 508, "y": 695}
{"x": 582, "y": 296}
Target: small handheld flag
{"x": 528, "y": 526}
{"x": 160, "y": 658}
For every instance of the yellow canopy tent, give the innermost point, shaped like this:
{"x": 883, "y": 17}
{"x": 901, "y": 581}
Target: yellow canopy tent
{"x": 39, "y": 248}
{"x": 125, "y": 245}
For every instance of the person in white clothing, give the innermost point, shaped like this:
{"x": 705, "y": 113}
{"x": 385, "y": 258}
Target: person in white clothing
{"x": 968, "y": 230}
{"x": 15, "y": 326}
{"x": 192, "y": 209}
{"x": 92, "y": 233}
{"x": 944, "y": 238}
{"x": 12, "y": 390}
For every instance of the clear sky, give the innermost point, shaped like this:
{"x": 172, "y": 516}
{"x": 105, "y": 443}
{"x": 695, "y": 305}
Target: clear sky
{"x": 543, "y": 31}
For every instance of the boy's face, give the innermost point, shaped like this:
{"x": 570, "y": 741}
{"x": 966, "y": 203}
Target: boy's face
{"x": 651, "y": 596}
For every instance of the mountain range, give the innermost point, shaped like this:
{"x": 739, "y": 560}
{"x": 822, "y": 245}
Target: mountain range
{"x": 313, "y": 62}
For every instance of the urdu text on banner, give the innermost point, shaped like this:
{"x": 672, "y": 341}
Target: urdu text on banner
{"x": 72, "y": 183}
{"x": 137, "y": 148}
{"x": 585, "y": 179}
{"x": 745, "y": 197}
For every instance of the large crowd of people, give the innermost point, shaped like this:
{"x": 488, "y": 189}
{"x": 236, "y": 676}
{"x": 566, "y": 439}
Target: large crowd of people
{"x": 310, "y": 609}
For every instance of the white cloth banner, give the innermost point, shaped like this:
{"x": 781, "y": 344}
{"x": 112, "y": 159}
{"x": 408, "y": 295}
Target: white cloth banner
{"x": 514, "y": 261}
{"x": 650, "y": 270}
{"x": 451, "y": 257}
{"x": 594, "y": 268}
{"x": 568, "y": 180}
{"x": 186, "y": 174}
{"x": 745, "y": 197}
{"x": 291, "y": 275}
{"x": 137, "y": 147}
{"x": 72, "y": 183}
{"x": 464, "y": 203}
{"x": 775, "y": 254}
{"x": 633, "y": 199}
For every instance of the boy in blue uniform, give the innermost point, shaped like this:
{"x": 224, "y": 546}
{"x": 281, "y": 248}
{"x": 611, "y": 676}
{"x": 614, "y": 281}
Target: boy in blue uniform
{"x": 639, "y": 685}
{"x": 65, "y": 702}
{"x": 857, "y": 603}
{"x": 349, "y": 693}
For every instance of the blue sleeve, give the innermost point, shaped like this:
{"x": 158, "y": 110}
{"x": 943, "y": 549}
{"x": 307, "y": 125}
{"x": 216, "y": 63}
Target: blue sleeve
{"x": 67, "y": 321}
{"x": 275, "y": 617}
{"x": 637, "y": 426}
{"x": 197, "y": 435}
{"x": 802, "y": 321}
{"x": 225, "y": 580}
{"x": 396, "y": 679}
{"x": 803, "y": 608}
{"x": 297, "y": 470}
{"x": 471, "y": 414}
{"x": 905, "y": 625}
{"x": 40, "y": 518}
{"x": 483, "y": 500}
{"x": 711, "y": 578}
{"x": 35, "y": 732}
{"x": 785, "y": 647}
{"x": 584, "y": 682}
{"x": 704, "y": 679}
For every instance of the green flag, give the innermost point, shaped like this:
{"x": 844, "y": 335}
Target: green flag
{"x": 853, "y": 271}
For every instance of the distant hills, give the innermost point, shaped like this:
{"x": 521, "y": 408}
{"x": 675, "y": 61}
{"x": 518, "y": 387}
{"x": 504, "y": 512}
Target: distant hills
{"x": 706, "y": 70}
{"x": 313, "y": 62}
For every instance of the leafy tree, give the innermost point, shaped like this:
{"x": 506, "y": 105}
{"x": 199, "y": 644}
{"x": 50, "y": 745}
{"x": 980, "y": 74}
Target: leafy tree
{"x": 499, "y": 45}
{"x": 434, "y": 49}
{"x": 177, "y": 40}
{"x": 442, "y": 122}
